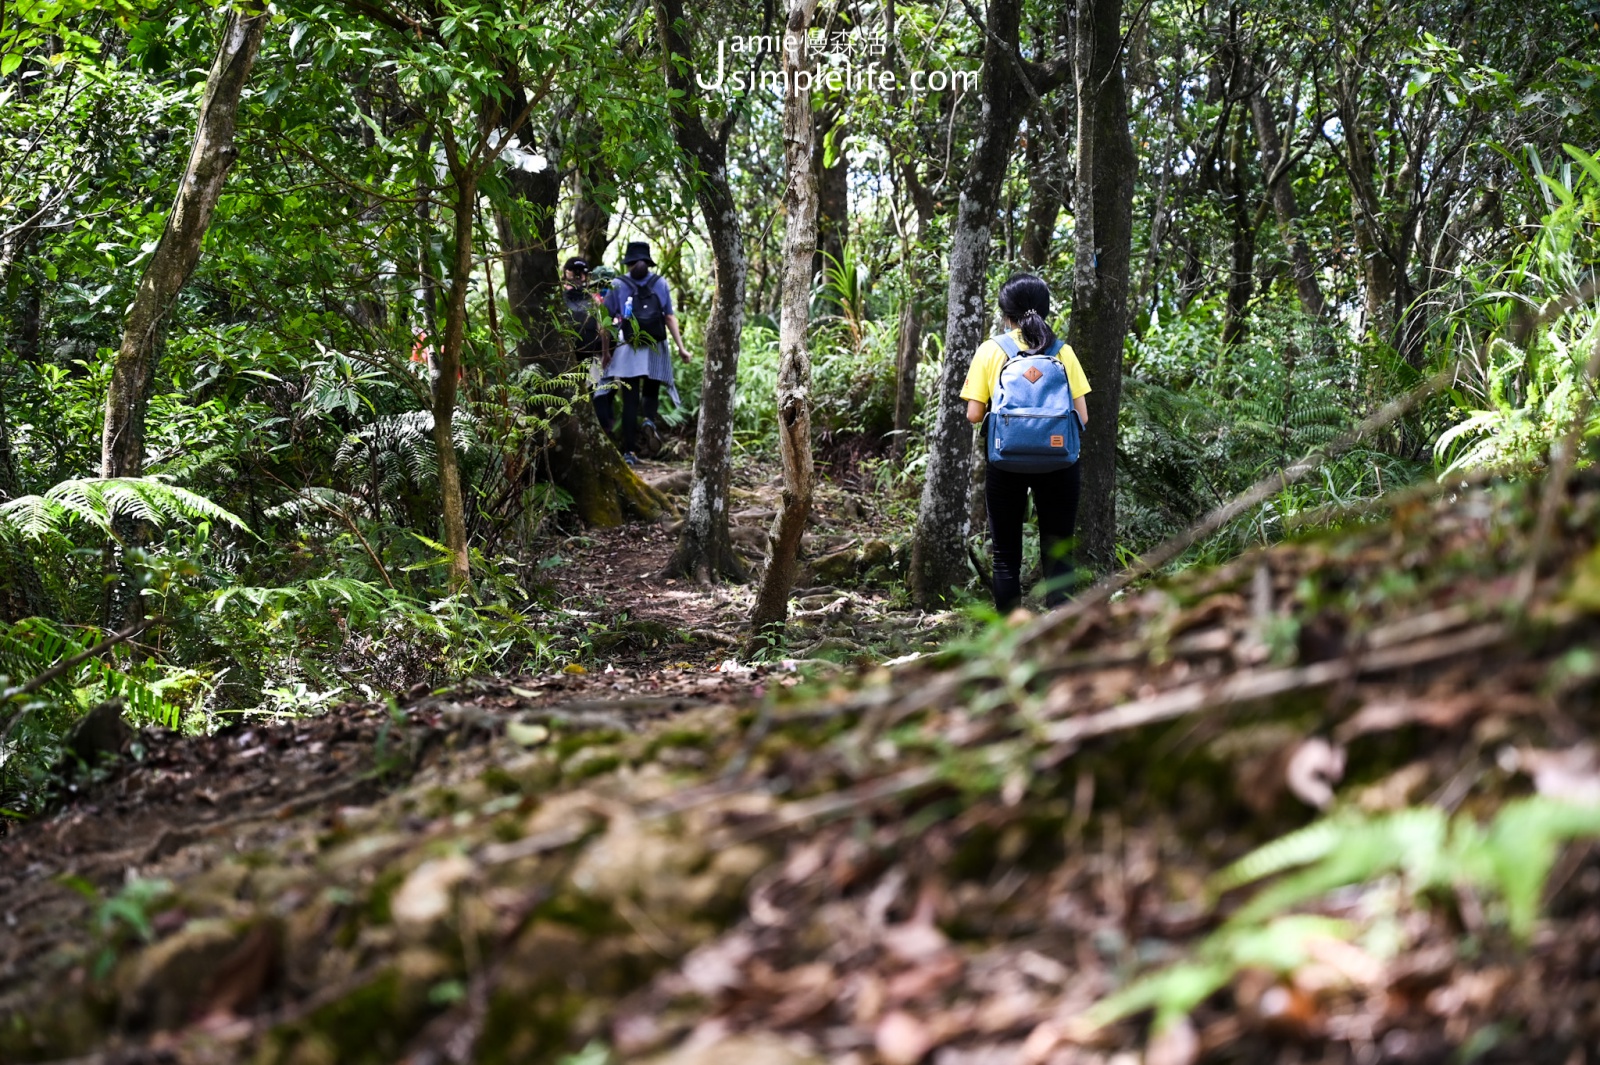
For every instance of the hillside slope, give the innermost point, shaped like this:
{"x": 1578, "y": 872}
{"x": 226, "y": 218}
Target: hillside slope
{"x": 965, "y": 859}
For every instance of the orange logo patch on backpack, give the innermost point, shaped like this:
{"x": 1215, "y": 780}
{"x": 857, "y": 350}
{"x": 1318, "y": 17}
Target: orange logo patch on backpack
{"x": 1033, "y": 373}
{"x": 1058, "y": 441}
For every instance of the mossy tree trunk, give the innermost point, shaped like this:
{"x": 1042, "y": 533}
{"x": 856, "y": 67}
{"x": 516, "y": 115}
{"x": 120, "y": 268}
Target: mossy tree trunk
{"x": 178, "y": 250}
{"x": 794, "y": 360}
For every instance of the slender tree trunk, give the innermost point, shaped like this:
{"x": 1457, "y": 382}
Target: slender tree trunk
{"x": 907, "y": 354}
{"x": 908, "y": 340}
{"x": 447, "y": 364}
{"x": 1284, "y": 206}
{"x": 705, "y": 551}
{"x": 1244, "y": 222}
{"x": 1377, "y": 266}
{"x": 1099, "y": 326}
{"x": 939, "y": 545}
{"x": 178, "y": 250}
{"x": 591, "y": 222}
{"x": 833, "y": 191}
{"x": 1048, "y": 179}
{"x": 794, "y": 360}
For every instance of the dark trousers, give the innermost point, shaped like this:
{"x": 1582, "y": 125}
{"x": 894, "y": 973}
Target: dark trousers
{"x": 605, "y": 409}
{"x": 632, "y": 389}
{"x": 1055, "y": 504}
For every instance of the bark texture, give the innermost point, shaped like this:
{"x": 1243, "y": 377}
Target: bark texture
{"x": 794, "y": 360}
{"x": 705, "y": 551}
{"x": 591, "y": 221}
{"x": 178, "y": 250}
{"x": 1104, "y": 190}
{"x": 532, "y": 270}
{"x": 939, "y": 545}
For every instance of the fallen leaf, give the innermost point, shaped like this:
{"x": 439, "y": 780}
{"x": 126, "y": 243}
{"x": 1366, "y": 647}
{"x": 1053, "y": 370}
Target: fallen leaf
{"x": 1572, "y": 774}
{"x": 1313, "y": 769}
{"x": 528, "y": 735}
{"x": 902, "y": 1039}
{"x": 1175, "y": 1044}
{"x": 424, "y": 897}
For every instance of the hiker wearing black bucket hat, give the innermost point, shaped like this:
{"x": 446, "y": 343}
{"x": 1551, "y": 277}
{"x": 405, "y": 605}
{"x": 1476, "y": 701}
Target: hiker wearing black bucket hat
{"x": 641, "y": 307}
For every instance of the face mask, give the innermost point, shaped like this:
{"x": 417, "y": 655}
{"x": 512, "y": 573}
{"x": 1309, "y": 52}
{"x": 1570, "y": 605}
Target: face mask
{"x": 638, "y": 271}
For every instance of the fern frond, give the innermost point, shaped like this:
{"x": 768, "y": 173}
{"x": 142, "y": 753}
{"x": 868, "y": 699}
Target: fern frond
{"x": 100, "y": 501}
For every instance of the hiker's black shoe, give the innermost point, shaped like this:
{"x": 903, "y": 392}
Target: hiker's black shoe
{"x": 650, "y": 438}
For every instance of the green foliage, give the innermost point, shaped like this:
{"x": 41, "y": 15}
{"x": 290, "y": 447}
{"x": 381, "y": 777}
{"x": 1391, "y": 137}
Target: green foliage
{"x": 102, "y": 502}
{"x": 1202, "y": 421}
{"x": 1506, "y": 861}
{"x": 1520, "y": 394}
{"x": 122, "y": 919}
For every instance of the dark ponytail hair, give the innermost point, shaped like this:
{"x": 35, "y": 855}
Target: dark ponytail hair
{"x": 1025, "y": 300}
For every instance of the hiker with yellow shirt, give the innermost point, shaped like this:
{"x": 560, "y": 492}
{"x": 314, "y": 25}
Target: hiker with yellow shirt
{"x": 1036, "y": 388}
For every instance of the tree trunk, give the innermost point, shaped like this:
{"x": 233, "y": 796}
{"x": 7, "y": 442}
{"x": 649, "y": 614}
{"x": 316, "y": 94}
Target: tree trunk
{"x": 705, "y": 551}
{"x": 833, "y": 193}
{"x": 908, "y": 340}
{"x": 939, "y": 545}
{"x": 1377, "y": 266}
{"x": 1243, "y": 222}
{"x": 1047, "y": 189}
{"x": 1284, "y": 206}
{"x": 178, "y": 250}
{"x": 794, "y": 360}
{"x": 1099, "y": 323}
{"x": 447, "y": 363}
{"x": 907, "y": 354}
{"x": 583, "y": 461}
{"x": 605, "y": 490}
{"x": 591, "y": 222}
{"x": 533, "y": 271}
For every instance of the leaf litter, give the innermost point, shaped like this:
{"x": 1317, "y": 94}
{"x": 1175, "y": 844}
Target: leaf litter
{"x": 1095, "y": 837}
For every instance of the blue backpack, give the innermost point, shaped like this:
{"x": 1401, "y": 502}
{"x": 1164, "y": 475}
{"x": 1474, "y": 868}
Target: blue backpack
{"x": 1032, "y": 426}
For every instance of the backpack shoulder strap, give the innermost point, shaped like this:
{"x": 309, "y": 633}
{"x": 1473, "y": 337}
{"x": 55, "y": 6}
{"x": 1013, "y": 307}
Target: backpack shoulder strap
{"x": 1007, "y": 345}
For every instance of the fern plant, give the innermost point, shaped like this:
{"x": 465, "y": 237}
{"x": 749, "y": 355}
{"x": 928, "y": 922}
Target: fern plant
{"x": 102, "y": 502}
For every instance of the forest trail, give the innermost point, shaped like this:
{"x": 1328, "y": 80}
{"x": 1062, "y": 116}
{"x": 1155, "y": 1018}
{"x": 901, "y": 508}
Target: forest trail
{"x": 952, "y": 861}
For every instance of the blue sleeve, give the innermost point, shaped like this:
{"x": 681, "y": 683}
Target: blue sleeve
{"x": 614, "y": 299}
{"x": 665, "y": 293}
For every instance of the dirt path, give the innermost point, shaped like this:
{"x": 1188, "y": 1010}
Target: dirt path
{"x": 654, "y": 648}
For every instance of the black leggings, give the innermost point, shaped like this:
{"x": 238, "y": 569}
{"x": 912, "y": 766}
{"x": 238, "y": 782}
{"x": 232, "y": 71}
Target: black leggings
{"x": 631, "y": 388}
{"x": 1055, "y": 503}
